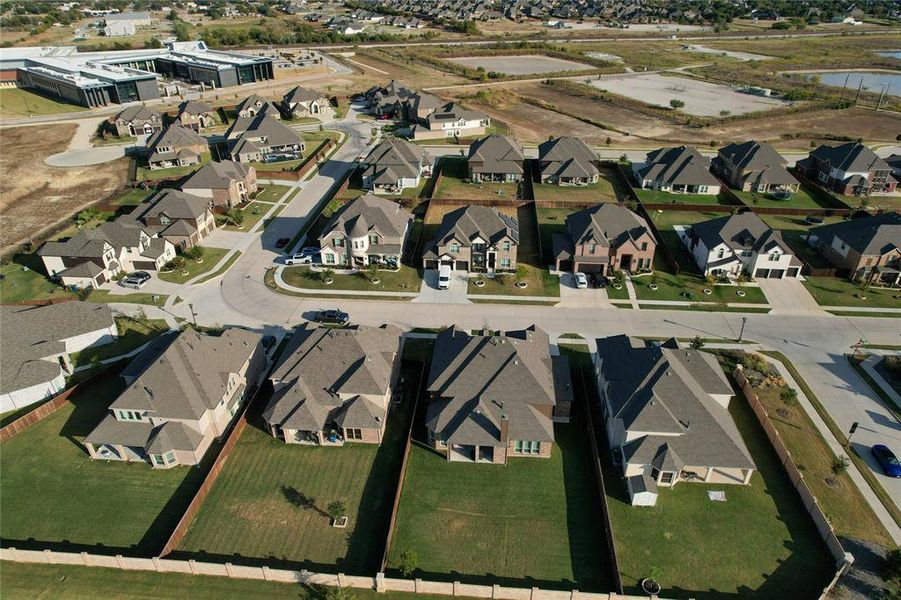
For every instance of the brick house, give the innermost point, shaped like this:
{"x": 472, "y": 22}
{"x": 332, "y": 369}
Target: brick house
{"x": 367, "y": 230}
{"x": 496, "y": 158}
{"x": 567, "y": 161}
{"x": 602, "y": 239}
{"x": 196, "y": 115}
{"x": 135, "y": 121}
{"x": 175, "y": 147}
{"x": 869, "y": 248}
{"x": 754, "y": 167}
{"x": 681, "y": 170}
{"x": 302, "y": 102}
{"x": 851, "y": 169}
{"x": 181, "y": 219}
{"x": 225, "y": 183}
{"x": 394, "y": 165}
{"x": 474, "y": 238}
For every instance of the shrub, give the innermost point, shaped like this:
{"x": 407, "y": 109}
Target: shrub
{"x": 789, "y": 396}
{"x": 676, "y": 103}
{"x": 696, "y": 342}
{"x": 408, "y": 563}
{"x": 336, "y": 510}
{"x": 840, "y": 464}
{"x": 754, "y": 362}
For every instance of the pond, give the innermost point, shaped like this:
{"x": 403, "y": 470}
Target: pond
{"x": 872, "y": 80}
{"x": 891, "y": 54}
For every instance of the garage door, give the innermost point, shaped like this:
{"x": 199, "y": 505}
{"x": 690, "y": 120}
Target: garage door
{"x": 762, "y": 273}
{"x": 462, "y": 265}
{"x": 144, "y": 265}
{"x": 590, "y": 268}
{"x": 777, "y": 273}
{"x": 793, "y": 272}
{"x": 431, "y": 264}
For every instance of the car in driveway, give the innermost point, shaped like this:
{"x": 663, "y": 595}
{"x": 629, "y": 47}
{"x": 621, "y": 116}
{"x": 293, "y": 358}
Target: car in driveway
{"x": 304, "y": 258}
{"x": 332, "y": 316}
{"x": 135, "y": 280}
{"x": 444, "y": 276}
{"x": 581, "y": 281}
{"x": 887, "y": 460}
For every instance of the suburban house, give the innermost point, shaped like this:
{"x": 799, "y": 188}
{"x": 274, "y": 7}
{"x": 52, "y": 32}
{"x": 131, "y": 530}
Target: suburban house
{"x": 496, "y": 158}
{"x": 262, "y": 139}
{"x": 567, "y": 160}
{"x": 224, "y": 184}
{"x": 302, "y": 102}
{"x": 851, "y": 169}
{"x": 136, "y": 120}
{"x": 368, "y": 230}
{"x": 735, "y": 244}
{"x": 869, "y": 248}
{"x": 894, "y": 161}
{"x": 755, "y": 167}
{"x": 666, "y": 411}
{"x": 92, "y": 257}
{"x": 388, "y": 101}
{"x": 493, "y": 397}
{"x": 602, "y": 239}
{"x": 395, "y": 165}
{"x": 37, "y": 342}
{"x": 449, "y": 120}
{"x": 180, "y": 218}
{"x": 474, "y": 238}
{"x": 196, "y": 115}
{"x": 417, "y": 106}
{"x": 681, "y": 170}
{"x": 253, "y": 105}
{"x": 183, "y": 391}
{"x": 334, "y": 385}
{"x": 175, "y": 147}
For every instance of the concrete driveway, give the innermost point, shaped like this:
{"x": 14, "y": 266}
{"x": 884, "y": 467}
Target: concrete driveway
{"x": 789, "y": 296}
{"x": 455, "y": 294}
{"x": 570, "y": 295}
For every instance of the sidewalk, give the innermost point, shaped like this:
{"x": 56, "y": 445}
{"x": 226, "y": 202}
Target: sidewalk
{"x": 633, "y": 298}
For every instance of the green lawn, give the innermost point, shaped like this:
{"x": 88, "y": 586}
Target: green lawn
{"x": 531, "y": 522}
{"x": 607, "y": 189}
{"x": 794, "y": 231}
{"x": 838, "y": 291}
{"x": 551, "y": 221}
{"x": 211, "y": 258}
{"x": 675, "y": 287}
{"x": 800, "y": 199}
{"x": 145, "y": 173}
{"x": 451, "y": 185}
{"x": 270, "y": 500}
{"x": 132, "y": 334}
{"x": 252, "y": 212}
{"x": 841, "y": 501}
{"x": 406, "y": 279}
{"x": 658, "y": 197}
{"x": 760, "y": 543}
{"x": 540, "y": 283}
{"x": 24, "y": 278}
{"x": 272, "y": 193}
{"x": 133, "y": 197}
{"x": 27, "y": 581}
{"x": 17, "y": 102}
{"x": 112, "y": 140}
{"x": 104, "y": 297}
{"x": 83, "y": 501}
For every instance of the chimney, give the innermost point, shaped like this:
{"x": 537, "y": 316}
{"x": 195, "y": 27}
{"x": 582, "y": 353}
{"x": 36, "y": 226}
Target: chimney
{"x": 505, "y": 429}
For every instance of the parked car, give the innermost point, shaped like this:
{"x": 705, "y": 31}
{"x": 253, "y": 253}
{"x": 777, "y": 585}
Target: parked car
{"x": 136, "y": 280}
{"x": 581, "y": 281}
{"x": 332, "y": 316}
{"x": 444, "y": 275}
{"x": 812, "y": 220}
{"x": 302, "y": 259}
{"x": 887, "y": 460}
{"x": 310, "y": 250}
{"x": 282, "y": 242}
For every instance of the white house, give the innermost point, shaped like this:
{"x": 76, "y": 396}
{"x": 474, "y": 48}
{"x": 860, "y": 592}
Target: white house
{"x": 37, "y": 342}
{"x": 732, "y": 245}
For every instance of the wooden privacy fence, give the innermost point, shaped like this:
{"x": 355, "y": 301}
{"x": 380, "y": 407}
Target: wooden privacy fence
{"x": 378, "y": 582}
{"x": 492, "y": 202}
{"x": 662, "y": 249}
{"x": 843, "y": 559}
{"x": 301, "y": 171}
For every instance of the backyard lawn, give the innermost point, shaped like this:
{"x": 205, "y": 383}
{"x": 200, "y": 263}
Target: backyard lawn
{"x": 23, "y": 279}
{"x": 794, "y": 231}
{"x": 406, "y": 279}
{"x": 803, "y": 198}
{"x": 211, "y": 257}
{"x": 133, "y": 197}
{"x": 272, "y": 193}
{"x": 17, "y": 102}
{"x": 607, "y": 189}
{"x": 658, "y": 197}
{"x": 132, "y": 334}
{"x": 146, "y": 173}
{"x": 270, "y": 500}
{"x": 85, "y": 502}
{"x": 452, "y": 186}
{"x": 551, "y": 221}
{"x": 838, "y": 291}
{"x": 531, "y": 522}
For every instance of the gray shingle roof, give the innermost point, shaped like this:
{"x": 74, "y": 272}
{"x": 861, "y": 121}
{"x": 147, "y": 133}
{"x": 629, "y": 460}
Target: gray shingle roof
{"x": 138, "y": 112}
{"x": 665, "y": 392}
{"x": 217, "y": 175}
{"x": 682, "y": 165}
{"x": 477, "y": 380}
{"x": 254, "y": 128}
{"x": 368, "y": 214}
{"x": 609, "y": 225}
{"x": 497, "y": 154}
{"x": 32, "y": 333}
{"x": 194, "y": 107}
{"x": 467, "y": 223}
{"x": 393, "y": 159}
{"x": 874, "y": 235}
{"x": 172, "y": 203}
{"x": 744, "y": 231}
{"x": 300, "y": 94}
{"x": 851, "y": 157}
{"x": 176, "y": 137}
{"x": 759, "y": 162}
{"x": 567, "y": 157}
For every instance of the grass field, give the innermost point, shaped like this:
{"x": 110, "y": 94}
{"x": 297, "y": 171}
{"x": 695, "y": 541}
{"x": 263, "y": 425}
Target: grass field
{"x": 24, "y": 279}
{"x": 838, "y": 291}
{"x": 132, "y": 334}
{"x": 211, "y": 257}
{"x": 532, "y": 522}
{"x": 85, "y": 502}
{"x": 407, "y": 279}
{"x": 16, "y": 102}
{"x": 800, "y": 199}
{"x": 269, "y": 502}
{"x": 253, "y": 212}
{"x": 658, "y": 197}
{"x": 607, "y": 189}
{"x": 272, "y": 193}
{"x": 452, "y": 186}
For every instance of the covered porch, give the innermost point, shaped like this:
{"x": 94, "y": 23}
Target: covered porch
{"x": 473, "y": 454}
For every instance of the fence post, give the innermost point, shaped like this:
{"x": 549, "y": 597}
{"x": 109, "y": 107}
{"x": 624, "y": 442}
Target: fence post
{"x": 156, "y": 563}
{"x": 380, "y": 583}
{"x": 266, "y": 576}
{"x": 228, "y": 569}
{"x": 48, "y": 557}
{"x": 495, "y": 590}
{"x": 120, "y": 561}
{"x": 85, "y": 560}
{"x": 193, "y": 566}
{"x": 456, "y": 588}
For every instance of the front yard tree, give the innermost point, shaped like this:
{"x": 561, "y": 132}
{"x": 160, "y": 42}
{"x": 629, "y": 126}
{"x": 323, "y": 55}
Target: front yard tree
{"x": 408, "y": 563}
{"x": 336, "y": 510}
{"x": 696, "y": 343}
{"x": 235, "y": 216}
{"x": 521, "y": 272}
{"x": 195, "y": 252}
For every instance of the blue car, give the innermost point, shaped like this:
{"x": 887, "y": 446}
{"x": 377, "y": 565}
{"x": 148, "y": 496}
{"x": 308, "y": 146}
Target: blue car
{"x": 887, "y": 460}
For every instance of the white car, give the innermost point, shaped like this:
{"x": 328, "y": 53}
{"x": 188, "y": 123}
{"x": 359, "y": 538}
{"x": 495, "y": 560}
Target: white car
{"x": 444, "y": 275}
{"x": 302, "y": 258}
{"x": 581, "y": 281}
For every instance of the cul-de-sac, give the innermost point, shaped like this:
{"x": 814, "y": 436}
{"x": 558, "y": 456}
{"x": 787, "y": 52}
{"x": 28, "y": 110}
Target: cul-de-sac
{"x": 510, "y": 299}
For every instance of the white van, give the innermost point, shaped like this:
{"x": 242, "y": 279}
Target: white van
{"x": 444, "y": 275}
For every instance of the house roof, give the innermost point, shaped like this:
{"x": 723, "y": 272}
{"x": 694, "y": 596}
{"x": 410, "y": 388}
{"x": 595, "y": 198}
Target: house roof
{"x": 850, "y": 157}
{"x": 477, "y": 381}
{"x": 393, "y": 159}
{"x": 187, "y": 374}
{"x": 176, "y": 137}
{"x": 744, "y": 231}
{"x": 369, "y": 213}
{"x": 607, "y": 224}
{"x": 874, "y": 235}
{"x": 174, "y": 204}
{"x": 567, "y": 156}
{"x": 665, "y": 392}
{"x": 259, "y": 126}
{"x": 470, "y": 222}
{"x": 452, "y": 111}
{"x": 217, "y": 175}
{"x": 34, "y": 333}
{"x": 300, "y": 94}
{"x": 194, "y": 107}
{"x": 682, "y": 165}
{"x": 91, "y": 243}
{"x": 497, "y": 154}
{"x": 138, "y": 112}
{"x": 759, "y": 162}
{"x": 250, "y": 101}
{"x": 323, "y": 372}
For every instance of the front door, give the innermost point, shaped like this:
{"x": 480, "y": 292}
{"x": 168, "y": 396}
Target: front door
{"x": 625, "y": 262}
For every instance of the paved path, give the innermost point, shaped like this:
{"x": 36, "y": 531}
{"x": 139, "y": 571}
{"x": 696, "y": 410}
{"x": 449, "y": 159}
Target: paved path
{"x": 630, "y": 288}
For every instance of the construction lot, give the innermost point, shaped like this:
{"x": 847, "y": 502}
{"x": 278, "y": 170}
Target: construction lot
{"x": 520, "y": 65}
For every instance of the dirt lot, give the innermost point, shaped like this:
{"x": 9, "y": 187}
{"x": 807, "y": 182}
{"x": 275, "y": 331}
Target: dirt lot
{"x": 520, "y": 65}
{"x": 34, "y": 196}
{"x": 403, "y": 69}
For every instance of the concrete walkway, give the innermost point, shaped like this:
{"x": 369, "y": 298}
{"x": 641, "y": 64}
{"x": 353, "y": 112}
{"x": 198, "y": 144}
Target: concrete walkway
{"x": 633, "y": 298}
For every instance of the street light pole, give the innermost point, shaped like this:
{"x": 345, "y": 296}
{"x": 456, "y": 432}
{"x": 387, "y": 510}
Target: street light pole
{"x": 193, "y": 314}
{"x": 741, "y": 333}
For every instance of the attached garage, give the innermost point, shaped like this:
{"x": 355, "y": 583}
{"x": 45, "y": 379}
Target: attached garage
{"x": 793, "y": 272}
{"x": 145, "y": 265}
{"x": 462, "y": 265}
{"x": 769, "y": 273}
{"x": 431, "y": 264}
{"x": 762, "y": 273}
{"x": 588, "y": 268}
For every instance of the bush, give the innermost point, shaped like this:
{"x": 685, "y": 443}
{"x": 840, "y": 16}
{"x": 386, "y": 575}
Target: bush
{"x": 408, "y": 563}
{"x": 789, "y": 396}
{"x": 754, "y": 363}
{"x": 676, "y": 103}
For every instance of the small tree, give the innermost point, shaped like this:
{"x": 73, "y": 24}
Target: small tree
{"x": 789, "y": 396}
{"x": 696, "y": 343}
{"x": 336, "y": 510}
{"x": 195, "y": 252}
{"x": 235, "y": 216}
{"x": 339, "y": 593}
{"x": 86, "y": 216}
{"x": 373, "y": 271}
{"x": 676, "y": 103}
{"x": 408, "y": 563}
{"x": 609, "y": 140}
{"x": 840, "y": 464}
{"x": 725, "y": 113}
{"x": 521, "y": 272}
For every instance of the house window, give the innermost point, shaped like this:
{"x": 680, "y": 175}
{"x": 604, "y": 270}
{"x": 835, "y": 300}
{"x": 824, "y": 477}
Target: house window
{"x": 720, "y": 253}
{"x": 164, "y": 220}
{"x": 453, "y": 247}
{"x": 353, "y": 434}
{"x": 329, "y": 259}
{"x": 339, "y": 243}
{"x": 169, "y": 457}
{"x": 592, "y": 248}
{"x": 526, "y": 447}
{"x": 156, "y": 459}
{"x": 666, "y": 477}
{"x": 505, "y": 263}
{"x": 506, "y": 246}
{"x": 373, "y": 239}
{"x": 774, "y": 256}
{"x": 129, "y": 415}
{"x": 644, "y": 245}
